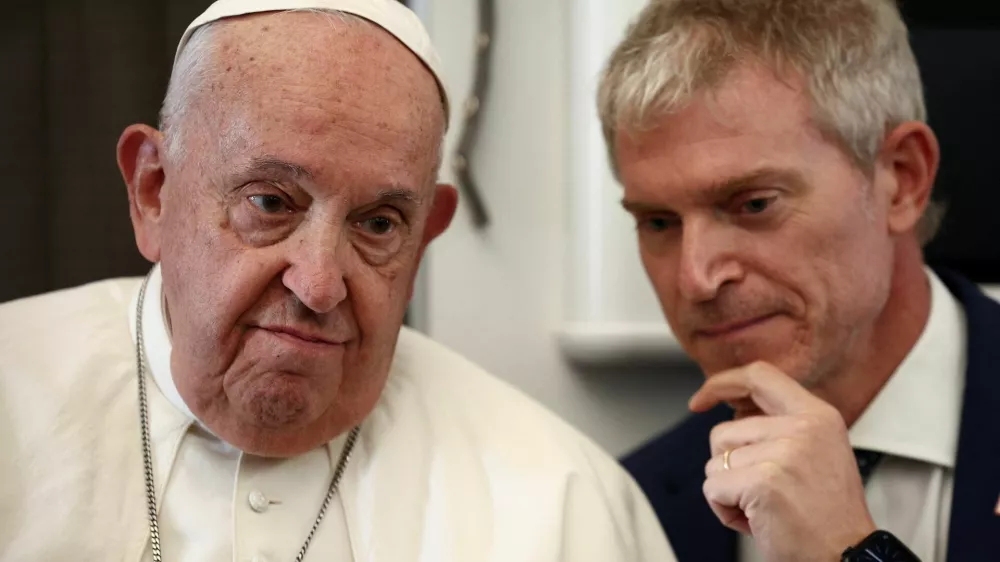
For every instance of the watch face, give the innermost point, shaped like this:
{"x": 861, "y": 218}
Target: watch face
{"x": 883, "y": 547}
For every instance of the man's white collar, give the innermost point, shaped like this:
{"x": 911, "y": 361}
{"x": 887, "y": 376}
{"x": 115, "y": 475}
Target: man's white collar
{"x": 156, "y": 340}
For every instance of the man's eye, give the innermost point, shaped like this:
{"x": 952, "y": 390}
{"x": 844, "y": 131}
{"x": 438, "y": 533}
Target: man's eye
{"x": 378, "y": 226}
{"x": 656, "y": 224}
{"x": 271, "y": 204}
{"x": 758, "y": 205}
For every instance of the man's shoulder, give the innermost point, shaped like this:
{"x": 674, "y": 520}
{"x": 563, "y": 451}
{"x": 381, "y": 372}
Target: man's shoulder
{"x": 68, "y": 404}
{"x": 51, "y": 329}
{"x": 76, "y": 304}
{"x": 491, "y": 414}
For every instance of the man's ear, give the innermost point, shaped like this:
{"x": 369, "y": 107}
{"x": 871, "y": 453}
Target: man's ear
{"x": 911, "y": 155}
{"x": 442, "y": 211}
{"x": 140, "y": 159}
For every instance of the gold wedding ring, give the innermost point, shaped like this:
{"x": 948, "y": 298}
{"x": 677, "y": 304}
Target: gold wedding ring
{"x": 725, "y": 459}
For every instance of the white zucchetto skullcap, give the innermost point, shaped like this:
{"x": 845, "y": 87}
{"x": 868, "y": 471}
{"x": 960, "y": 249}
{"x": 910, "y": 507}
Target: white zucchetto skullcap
{"x": 390, "y": 15}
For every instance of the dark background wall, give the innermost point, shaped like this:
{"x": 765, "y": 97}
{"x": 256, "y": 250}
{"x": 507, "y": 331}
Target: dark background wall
{"x": 957, "y": 44}
{"x": 75, "y": 74}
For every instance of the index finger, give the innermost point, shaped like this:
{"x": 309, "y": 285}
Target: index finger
{"x": 774, "y": 392}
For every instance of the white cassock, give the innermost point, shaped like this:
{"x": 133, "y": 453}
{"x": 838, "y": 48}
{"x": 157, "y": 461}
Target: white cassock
{"x": 451, "y": 466}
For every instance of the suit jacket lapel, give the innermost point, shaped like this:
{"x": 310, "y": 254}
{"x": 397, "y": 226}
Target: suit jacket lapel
{"x": 695, "y": 533}
{"x": 974, "y": 532}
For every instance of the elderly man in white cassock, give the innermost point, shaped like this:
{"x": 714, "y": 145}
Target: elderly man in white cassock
{"x": 254, "y": 397}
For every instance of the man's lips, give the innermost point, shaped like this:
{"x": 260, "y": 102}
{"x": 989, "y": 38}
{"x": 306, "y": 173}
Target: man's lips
{"x": 729, "y": 328}
{"x": 304, "y": 335}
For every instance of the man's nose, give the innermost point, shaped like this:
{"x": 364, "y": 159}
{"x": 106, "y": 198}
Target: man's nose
{"x": 708, "y": 261}
{"x": 315, "y": 273}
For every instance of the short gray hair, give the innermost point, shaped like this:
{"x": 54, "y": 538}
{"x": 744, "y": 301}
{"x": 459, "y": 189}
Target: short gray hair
{"x": 190, "y": 74}
{"x": 854, "y": 57}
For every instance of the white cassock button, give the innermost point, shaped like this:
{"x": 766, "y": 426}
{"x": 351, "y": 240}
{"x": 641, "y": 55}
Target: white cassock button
{"x": 258, "y": 502}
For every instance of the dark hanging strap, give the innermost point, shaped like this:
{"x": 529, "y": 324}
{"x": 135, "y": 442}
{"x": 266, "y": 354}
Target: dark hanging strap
{"x": 866, "y": 462}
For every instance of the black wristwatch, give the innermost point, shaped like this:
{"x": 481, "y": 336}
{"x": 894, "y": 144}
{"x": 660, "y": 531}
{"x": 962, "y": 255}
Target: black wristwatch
{"x": 880, "y": 546}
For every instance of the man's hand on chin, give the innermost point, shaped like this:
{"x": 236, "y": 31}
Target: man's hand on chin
{"x": 787, "y": 476}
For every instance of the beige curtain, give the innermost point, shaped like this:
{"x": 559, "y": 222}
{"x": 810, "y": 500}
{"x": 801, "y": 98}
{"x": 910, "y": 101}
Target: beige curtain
{"x": 75, "y": 73}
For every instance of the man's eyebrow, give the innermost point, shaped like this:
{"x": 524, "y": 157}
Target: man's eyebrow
{"x": 755, "y": 178}
{"x": 729, "y": 187}
{"x": 276, "y": 165}
{"x": 639, "y": 207}
{"x": 397, "y": 195}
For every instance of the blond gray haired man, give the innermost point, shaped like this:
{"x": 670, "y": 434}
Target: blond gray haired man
{"x": 775, "y": 156}
{"x": 255, "y": 398}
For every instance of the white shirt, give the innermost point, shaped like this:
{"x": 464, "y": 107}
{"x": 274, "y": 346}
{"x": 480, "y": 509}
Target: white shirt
{"x": 270, "y": 501}
{"x": 914, "y": 421}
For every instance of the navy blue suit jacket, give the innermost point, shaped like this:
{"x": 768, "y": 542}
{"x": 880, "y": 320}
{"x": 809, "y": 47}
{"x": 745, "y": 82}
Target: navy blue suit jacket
{"x": 670, "y": 468}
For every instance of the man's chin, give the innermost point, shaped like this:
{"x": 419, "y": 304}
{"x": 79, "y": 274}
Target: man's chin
{"x": 270, "y": 442}
{"x": 270, "y": 416}
{"x": 274, "y": 399}
{"x": 714, "y": 359}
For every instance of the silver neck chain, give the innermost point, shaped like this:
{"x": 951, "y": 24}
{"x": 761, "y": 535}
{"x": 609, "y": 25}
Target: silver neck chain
{"x": 147, "y": 451}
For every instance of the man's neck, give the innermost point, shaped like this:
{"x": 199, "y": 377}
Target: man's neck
{"x": 893, "y": 335}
